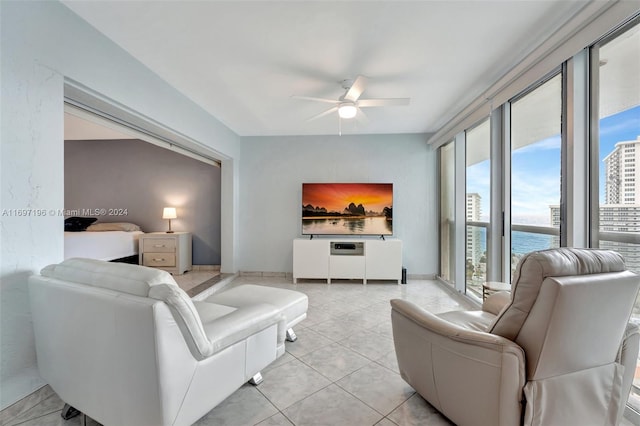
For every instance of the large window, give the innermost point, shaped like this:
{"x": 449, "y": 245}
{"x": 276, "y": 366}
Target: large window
{"x": 562, "y": 160}
{"x": 478, "y": 184}
{"x": 616, "y": 90}
{"x": 536, "y": 124}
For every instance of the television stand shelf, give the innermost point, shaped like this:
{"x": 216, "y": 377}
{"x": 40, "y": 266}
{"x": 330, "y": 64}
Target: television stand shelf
{"x": 343, "y": 258}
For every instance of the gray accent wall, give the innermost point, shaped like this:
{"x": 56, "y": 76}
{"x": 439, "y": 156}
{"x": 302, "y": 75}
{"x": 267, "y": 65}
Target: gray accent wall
{"x": 272, "y": 172}
{"x": 141, "y": 179}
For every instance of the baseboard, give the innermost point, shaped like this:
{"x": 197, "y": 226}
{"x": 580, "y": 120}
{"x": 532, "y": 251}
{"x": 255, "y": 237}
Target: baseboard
{"x": 266, "y": 274}
{"x": 473, "y": 303}
{"x": 215, "y": 268}
{"x": 421, "y": 276}
{"x": 289, "y": 275}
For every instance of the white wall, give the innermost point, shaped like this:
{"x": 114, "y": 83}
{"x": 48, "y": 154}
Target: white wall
{"x": 273, "y": 170}
{"x": 42, "y": 44}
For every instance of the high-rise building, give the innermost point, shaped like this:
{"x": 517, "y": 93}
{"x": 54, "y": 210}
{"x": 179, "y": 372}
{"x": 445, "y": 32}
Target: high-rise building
{"x": 615, "y": 218}
{"x": 621, "y": 210}
{"x": 474, "y": 233}
{"x": 555, "y": 216}
{"x": 621, "y": 186}
{"x": 473, "y": 207}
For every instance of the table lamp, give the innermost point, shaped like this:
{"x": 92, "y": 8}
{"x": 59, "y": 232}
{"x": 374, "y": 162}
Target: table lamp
{"x": 169, "y": 213}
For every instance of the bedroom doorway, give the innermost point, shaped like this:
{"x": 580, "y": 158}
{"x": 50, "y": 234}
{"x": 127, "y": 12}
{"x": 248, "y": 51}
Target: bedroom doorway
{"x": 123, "y": 175}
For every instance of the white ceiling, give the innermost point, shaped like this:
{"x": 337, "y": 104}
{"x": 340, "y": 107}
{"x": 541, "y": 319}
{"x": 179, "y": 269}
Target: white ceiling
{"x": 243, "y": 60}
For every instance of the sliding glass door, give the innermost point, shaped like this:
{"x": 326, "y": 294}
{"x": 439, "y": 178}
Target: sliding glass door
{"x": 536, "y": 145}
{"x": 478, "y": 202}
{"x": 615, "y": 70}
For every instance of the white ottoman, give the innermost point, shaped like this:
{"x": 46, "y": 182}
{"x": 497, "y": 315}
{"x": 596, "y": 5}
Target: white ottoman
{"x": 292, "y": 304}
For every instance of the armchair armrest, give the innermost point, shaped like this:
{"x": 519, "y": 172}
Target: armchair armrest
{"x": 240, "y": 324}
{"x": 495, "y": 302}
{"x": 435, "y": 324}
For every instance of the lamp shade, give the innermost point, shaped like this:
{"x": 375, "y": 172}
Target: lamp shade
{"x": 169, "y": 213}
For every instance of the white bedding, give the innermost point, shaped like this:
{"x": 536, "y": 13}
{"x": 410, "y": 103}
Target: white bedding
{"x": 108, "y": 245}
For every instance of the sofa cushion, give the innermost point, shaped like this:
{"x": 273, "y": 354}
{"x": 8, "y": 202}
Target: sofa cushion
{"x": 122, "y": 277}
{"x": 292, "y": 304}
{"x": 211, "y": 311}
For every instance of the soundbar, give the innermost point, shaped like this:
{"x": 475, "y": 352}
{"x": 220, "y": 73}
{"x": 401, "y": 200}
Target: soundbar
{"x": 344, "y": 246}
{"x": 347, "y": 248}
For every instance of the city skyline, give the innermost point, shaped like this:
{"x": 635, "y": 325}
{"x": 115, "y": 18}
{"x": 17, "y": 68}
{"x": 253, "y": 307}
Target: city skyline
{"x": 536, "y": 170}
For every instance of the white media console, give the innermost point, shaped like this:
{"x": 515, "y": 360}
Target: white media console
{"x": 343, "y": 258}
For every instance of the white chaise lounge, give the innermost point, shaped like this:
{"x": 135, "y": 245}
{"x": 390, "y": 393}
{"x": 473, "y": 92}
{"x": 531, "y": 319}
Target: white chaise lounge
{"x": 292, "y": 304}
{"x": 125, "y": 345}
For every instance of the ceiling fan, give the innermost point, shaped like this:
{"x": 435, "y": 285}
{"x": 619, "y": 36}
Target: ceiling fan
{"x": 349, "y": 104}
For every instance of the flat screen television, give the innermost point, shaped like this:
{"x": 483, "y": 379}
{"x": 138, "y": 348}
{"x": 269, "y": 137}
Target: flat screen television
{"x": 347, "y": 209}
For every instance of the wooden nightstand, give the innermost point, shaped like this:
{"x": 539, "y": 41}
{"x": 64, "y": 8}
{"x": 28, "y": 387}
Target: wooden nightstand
{"x": 171, "y": 252}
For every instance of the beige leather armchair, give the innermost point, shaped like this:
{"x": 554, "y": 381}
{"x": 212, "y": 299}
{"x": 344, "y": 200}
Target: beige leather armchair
{"x": 559, "y": 351}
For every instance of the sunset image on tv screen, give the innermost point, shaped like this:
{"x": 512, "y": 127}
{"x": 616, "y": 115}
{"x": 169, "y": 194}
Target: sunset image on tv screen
{"x": 347, "y": 208}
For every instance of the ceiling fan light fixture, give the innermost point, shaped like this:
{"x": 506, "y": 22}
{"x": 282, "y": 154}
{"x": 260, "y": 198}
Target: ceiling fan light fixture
{"x": 347, "y": 110}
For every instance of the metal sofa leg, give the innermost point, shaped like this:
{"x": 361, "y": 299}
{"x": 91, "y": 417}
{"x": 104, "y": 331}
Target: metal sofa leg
{"x": 256, "y": 380}
{"x": 69, "y": 412}
{"x": 291, "y": 335}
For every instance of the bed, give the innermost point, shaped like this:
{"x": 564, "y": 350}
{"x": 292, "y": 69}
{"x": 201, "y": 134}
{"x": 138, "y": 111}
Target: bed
{"x": 102, "y": 241}
{"x": 106, "y": 245}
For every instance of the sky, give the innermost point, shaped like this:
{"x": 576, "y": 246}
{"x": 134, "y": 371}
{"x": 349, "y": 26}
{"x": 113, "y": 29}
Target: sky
{"x": 336, "y": 196}
{"x": 536, "y": 170}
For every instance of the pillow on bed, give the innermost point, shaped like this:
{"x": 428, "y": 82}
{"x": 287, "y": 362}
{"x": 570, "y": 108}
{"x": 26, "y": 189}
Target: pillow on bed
{"x": 78, "y": 224}
{"x": 113, "y": 226}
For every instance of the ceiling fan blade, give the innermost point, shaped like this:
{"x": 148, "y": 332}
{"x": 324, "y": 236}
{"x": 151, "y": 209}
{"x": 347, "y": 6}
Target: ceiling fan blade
{"x": 322, "y": 114}
{"x": 311, "y": 98}
{"x": 365, "y": 103}
{"x": 362, "y": 117}
{"x": 358, "y": 86}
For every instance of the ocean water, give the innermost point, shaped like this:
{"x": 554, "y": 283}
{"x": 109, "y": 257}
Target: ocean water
{"x": 524, "y": 242}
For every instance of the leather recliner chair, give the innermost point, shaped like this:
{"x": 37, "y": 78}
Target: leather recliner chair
{"x": 558, "y": 351}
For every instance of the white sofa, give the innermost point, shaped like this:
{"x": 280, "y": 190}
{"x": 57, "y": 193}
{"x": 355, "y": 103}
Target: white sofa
{"x": 125, "y": 345}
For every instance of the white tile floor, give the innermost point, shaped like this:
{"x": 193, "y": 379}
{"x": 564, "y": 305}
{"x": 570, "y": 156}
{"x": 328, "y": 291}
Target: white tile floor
{"x": 342, "y": 369}
{"x": 193, "y": 278}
